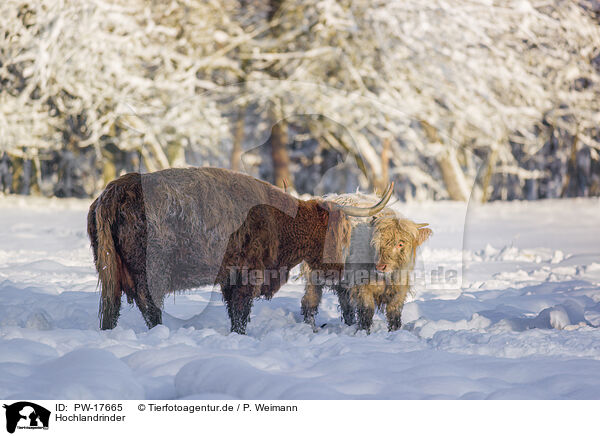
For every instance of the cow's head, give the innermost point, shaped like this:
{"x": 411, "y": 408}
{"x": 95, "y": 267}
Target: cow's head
{"x": 335, "y": 217}
{"x": 395, "y": 241}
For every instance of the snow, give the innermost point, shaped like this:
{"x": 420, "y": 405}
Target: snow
{"x": 519, "y": 321}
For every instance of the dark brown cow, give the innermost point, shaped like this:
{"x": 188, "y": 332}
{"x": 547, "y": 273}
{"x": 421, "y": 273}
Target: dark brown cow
{"x": 177, "y": 229}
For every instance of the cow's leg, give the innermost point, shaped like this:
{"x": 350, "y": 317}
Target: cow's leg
{"x": 310, "y": 303}
{"x": 109, "y": 312}
{"x": 393, "y": 313}
{"x": 393, "y": 310}
{"x": 365, "y": 308}
{"x": 239, "y": 301}
{"x": 150, "y": 309}
{"x": 348, "y": 309}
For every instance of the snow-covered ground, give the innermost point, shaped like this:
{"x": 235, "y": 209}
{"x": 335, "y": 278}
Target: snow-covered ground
{"x": 519, "y": 322}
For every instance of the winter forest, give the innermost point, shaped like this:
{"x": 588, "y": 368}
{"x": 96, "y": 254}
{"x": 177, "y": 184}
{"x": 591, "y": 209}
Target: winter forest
{"x": 498, "y": 99}
{"x": 483, "y": 266}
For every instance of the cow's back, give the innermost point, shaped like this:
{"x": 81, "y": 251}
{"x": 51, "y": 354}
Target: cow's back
{"x": 191, "y": 214}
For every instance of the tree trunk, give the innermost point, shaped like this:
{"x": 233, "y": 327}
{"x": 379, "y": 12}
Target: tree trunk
{"x": 369, "y": 156}
{"x": 487, "y": 179}
{"x": 238, "y": 139}
{"x": 159, "y": 157}
{"x": 5, "y": 173}
{"x": 383, "y": 180}
{"x": 37, "y": 185}
{"x": 453, "y": 175}
{"x": 176, "y": 154}
{"x": 279, "y": 154}
{"x": 26, "y": 178}
{"x": 569, "y": 188}
{"x": 454, "y": 178}
{"x": 109, "y": 169}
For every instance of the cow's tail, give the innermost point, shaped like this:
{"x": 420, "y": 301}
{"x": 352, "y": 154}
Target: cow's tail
{"x": 112, "y": 274}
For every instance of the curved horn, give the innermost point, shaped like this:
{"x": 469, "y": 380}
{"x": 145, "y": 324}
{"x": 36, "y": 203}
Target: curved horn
{"x": 419, "y": 226}
{"x": 369, "y": 211}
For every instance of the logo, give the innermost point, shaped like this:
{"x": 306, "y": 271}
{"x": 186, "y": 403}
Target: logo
{"x": 26, "y": 415}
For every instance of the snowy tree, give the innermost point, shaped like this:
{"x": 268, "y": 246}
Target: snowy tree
{"x": 435, "y": 95}
{"x": 101, "y": 74}
{"x": 446, "y": 82}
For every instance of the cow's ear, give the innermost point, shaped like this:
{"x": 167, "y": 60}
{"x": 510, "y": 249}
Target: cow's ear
{"x": 423, "y": 235}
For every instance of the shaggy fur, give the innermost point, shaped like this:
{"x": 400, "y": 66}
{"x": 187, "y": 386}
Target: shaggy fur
{"x": 178, "y": 229}
{"x": 377, "y": 270}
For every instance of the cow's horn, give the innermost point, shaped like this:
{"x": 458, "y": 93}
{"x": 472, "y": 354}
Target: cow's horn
{"x": 369, "y": 211}
{"x": 419, "y": 226}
